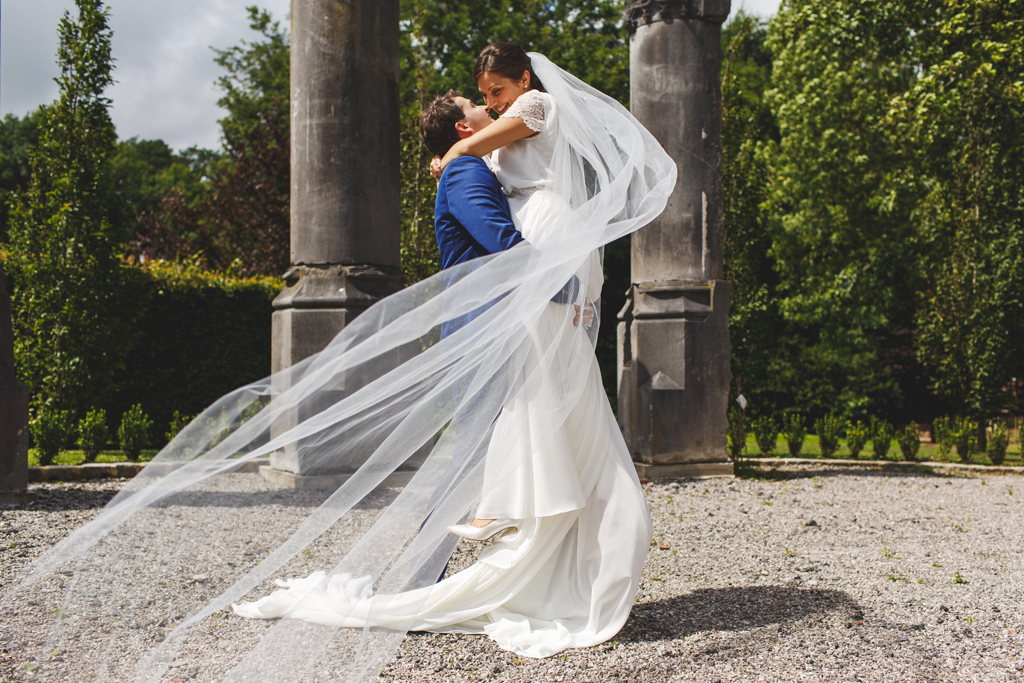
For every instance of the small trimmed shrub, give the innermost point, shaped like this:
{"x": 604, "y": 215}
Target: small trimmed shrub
{"x": 93, "y": 434}
{"x": 828, "y": 429}
{"x": 857, "y": 435}
{"x": 942, "y": 430}
{"x": 766, "y": 433}
{"x": 51, "y": 432}
{"x": 998, "y": 442}
{"x": 178, "y": 422}
{"x": 882, "y": 434}
{"x": 796, "y": 431}
{"x": 909, "y": 442}
{"x": 134, "y": 432}
{"x": 965, "y": 438}
{"x": 737, "y": 434}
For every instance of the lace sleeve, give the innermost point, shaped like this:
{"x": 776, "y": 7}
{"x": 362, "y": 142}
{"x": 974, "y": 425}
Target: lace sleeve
{"x": 530, "y": 108}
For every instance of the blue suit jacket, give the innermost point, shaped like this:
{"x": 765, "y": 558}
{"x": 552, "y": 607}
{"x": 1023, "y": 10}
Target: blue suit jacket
{"x": 471, "y": 214}
{"x": 471, "y": 219}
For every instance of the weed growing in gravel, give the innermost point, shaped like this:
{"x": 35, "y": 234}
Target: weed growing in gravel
{"x": 896, "y": 577}
{"x": 936, "y": 564}
{"x": 957, "y": 578}
{"x": 789, "y": 553}
{"x": 889, "y": 554}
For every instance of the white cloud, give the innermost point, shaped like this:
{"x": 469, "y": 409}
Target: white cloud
{"x": 163, "y": 62}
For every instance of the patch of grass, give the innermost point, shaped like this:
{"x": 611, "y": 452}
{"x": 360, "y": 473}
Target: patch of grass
{"x": 78, "y": 457}
{"x": 928, "y": 453}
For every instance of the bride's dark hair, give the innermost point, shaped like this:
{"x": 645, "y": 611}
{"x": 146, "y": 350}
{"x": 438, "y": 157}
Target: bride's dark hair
{"x": 508, "y": 60}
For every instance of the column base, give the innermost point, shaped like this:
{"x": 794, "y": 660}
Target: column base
{"x": 16, "y": 497}
{"x": 690, "y": 470}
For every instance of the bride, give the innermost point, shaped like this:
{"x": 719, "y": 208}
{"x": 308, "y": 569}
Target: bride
{"x": 503, "y": 421}
{"x": 565, "y": 480}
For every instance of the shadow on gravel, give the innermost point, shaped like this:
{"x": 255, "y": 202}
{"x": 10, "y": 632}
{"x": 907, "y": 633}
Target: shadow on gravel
{"x": 732, "y": 609}
{"x": 54, "y": 500}
{"x": 766, "y": 472}
{"x": 286, "y": 498}
{"x": 83, "y": 499}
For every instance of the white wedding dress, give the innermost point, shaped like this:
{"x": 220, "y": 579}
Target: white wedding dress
{"x": 568, "y": 576}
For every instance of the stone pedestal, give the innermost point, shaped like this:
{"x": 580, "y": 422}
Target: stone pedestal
{"x": 673, "y": 338}
{"x": 344, "y": 182}
{"x": 13, "y": 413}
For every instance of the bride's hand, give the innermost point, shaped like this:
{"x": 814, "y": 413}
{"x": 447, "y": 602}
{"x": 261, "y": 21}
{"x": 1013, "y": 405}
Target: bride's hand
{"x": 435, "y": 168}
{"x": 586, "y": 315}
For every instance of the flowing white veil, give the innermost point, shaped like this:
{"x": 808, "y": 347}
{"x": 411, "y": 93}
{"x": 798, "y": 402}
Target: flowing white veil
{"x": 140, "y": 591}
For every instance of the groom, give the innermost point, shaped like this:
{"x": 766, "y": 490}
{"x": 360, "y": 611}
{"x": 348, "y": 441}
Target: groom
{"x": 471, "y": 214}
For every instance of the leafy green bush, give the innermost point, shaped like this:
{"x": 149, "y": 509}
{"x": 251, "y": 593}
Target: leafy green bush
{"x": 942, "y": 430}
{"x": 828, "y": 429}
{"x": 737, "y": 434}
{"x": 965, "y": 438}
{"x": 857, "y": 435}
{"x": 998, "y": 442}
{"x": 795, "y": 431}
{"x": 882, "y": 434}
{"x": 134, "y": 432}
{"x": 93, "y": 434}
{"x": 51, "y": 432}
{"x": 909, "y": 442}
{"x": 178, "y": 422}
{"x": 766, "y": 433}
{"x": 202, "y": 334}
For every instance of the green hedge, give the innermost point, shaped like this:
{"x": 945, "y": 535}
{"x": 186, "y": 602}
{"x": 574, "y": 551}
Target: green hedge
{"x": 202, "y": 334}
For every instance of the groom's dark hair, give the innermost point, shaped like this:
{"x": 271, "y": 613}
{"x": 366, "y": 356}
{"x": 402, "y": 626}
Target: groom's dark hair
{"x": 437, "y": 123}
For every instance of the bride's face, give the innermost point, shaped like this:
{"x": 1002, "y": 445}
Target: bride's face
{"x": 501, "y": 91}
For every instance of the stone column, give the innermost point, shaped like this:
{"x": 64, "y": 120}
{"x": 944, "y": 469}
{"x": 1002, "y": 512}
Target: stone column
{"x": 344, "y": 175}
{"x": 673, "y": 338}
{"x": 13, "y": 413}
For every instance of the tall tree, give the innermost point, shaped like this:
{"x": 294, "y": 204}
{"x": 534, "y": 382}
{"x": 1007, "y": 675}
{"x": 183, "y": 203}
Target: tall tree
{"x": 963, "y": 127}
{"x": 843, "y": 243}
{"x": 71, "y": 327}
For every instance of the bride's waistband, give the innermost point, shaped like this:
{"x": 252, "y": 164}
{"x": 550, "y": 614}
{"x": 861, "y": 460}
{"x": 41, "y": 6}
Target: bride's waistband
{"x": 521, "y": 193}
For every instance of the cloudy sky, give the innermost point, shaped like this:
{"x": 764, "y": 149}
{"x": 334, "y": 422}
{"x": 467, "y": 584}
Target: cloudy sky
{"x": 164, "y": 65}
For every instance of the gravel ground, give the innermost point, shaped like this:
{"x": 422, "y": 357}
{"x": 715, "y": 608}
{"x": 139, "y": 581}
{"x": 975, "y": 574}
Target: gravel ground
{"x": 807, "y": 574}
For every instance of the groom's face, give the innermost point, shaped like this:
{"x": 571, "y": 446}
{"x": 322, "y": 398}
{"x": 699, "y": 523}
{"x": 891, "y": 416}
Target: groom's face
{"x": 476, "y": 119}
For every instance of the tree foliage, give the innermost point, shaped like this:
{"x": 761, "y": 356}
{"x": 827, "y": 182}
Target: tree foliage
{"x": 239, "y": 216}
{"x": 72, "y": 328}
{"x": 962, "y": 123}
{"x": 755, "y": 324}
{"x": 18, "y": 137}
{"x": 843, "y": 245}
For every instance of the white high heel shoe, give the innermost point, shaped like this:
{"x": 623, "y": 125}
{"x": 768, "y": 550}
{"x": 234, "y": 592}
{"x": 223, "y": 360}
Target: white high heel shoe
{"x": 482, "y": 533}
